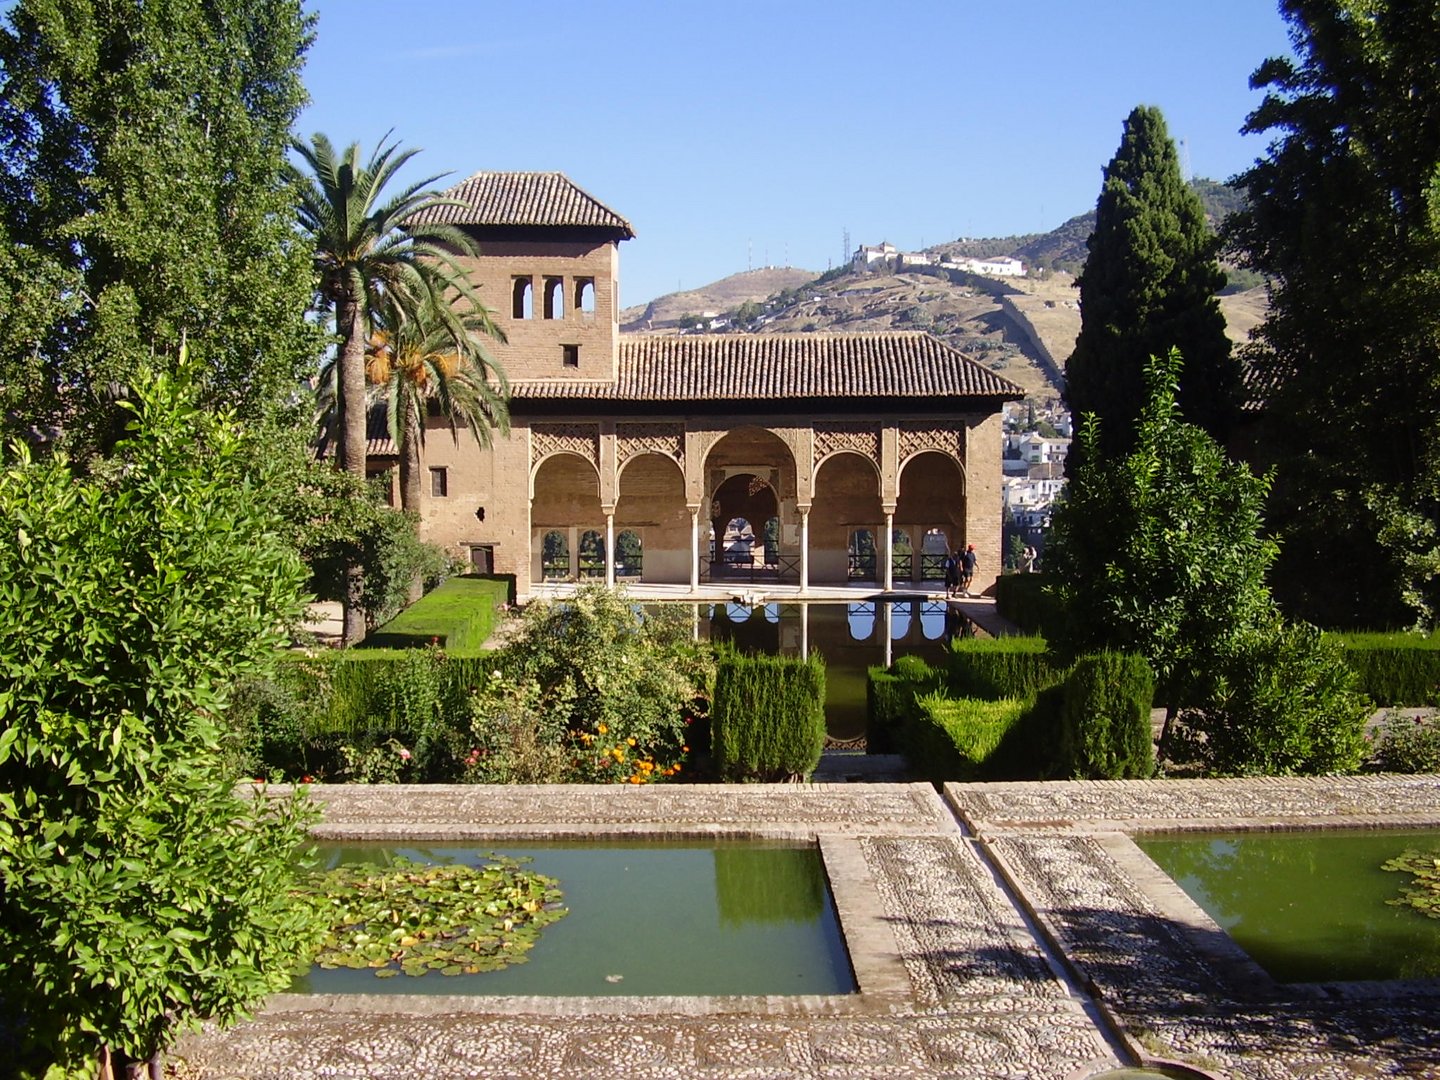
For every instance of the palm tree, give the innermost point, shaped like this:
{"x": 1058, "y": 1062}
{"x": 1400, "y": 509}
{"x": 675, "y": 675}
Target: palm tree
{"x": 421, "y": 361}
{"x": 371, "y": 251}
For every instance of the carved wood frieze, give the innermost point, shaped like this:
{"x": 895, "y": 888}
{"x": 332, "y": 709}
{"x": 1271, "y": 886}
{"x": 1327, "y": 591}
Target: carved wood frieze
{"x": 947, "y": 440}
{"x": 656, "y": 438}
{"x": 856, "y": 436}
{"x": 581, "y": 439}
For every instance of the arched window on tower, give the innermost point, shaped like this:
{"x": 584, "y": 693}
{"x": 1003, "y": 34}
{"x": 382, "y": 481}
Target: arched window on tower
{"x": 585, "y": 298}
{"x": 554, "y": 298}
{"x": 522, "y": 301}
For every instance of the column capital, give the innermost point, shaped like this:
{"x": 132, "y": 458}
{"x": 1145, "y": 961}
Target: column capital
{"x": 888, "y": 509}
{"x": 608, "y": 511}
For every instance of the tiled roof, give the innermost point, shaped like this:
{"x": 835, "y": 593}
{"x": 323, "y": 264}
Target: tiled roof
{"x": 754, "y": 367}
{"x": 545, "y": 199}
{"x": 377, "y": 432}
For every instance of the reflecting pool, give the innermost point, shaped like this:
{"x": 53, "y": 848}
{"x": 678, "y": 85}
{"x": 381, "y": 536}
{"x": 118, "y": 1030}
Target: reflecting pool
{"x": 851, "y": 636}
{"x": 1309, "y": 906}
{"x": 645, "y": 918}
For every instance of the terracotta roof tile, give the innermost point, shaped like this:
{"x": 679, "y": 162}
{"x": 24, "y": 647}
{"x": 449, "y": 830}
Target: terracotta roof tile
{"x": 705, "y": 367}
{"x": 546, "y": 199}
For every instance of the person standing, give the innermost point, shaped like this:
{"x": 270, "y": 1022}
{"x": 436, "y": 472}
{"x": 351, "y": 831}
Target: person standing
{"x": 968, "y": 562}
{"x": 952, "y": 572}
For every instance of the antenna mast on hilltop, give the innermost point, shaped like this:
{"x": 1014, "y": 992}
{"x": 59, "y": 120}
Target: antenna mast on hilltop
{"x": 845, "y": 246}
{"x": 1185, "y": 173}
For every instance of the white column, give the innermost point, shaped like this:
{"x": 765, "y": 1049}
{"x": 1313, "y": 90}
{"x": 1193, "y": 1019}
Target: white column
{"x": 889, "y": 554}
{"x": 804, "y": 631}
{"x": 804, "y": 550}
{"x": 888, "y": 629}
{"x": 695, "y": 550}
{"x": 610, "y": 549}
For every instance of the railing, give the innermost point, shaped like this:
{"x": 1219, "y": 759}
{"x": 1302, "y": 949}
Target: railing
{"x": 592, "y": 568}
{"x": 932, "y": 566}
{"x": 743, "y": 569}
{"x": 902, "y": 566}
{"x": 629, "y": 566}
{"x": 556, "y": 569}
{"x": 861, "y": 567}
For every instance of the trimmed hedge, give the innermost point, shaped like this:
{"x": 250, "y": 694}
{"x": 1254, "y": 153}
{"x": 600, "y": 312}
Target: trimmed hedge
{"x": 890, "y": 695}
{"x": 457, "y": 615}
{"x": 954, "y": 738}
{"x": 1021, "y": 599}
{"x": 1104, "y": 726}
{"x": 992, "y": 668}
{"x": 1394, "y": 669}
{"x": 377, "y": 692}
{"x": 767, "y": 717}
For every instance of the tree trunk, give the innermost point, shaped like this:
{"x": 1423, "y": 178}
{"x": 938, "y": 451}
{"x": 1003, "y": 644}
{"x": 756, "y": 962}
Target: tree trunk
{"x": 350, "y": 447}
{"x": 410, "y": 478}
{"x": 1162, "y": 750}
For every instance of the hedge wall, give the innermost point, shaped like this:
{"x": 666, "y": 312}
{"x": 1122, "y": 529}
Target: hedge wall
{"x": 890, "y": 695}
{"x": 767, "y": 716}
{"x": 1104, "y": 726}
{"x": 1008, "y": 667}
{"x": 954, "y": 738}
{"x": 458, "y": 615}
{"x": 1394, "y": 669}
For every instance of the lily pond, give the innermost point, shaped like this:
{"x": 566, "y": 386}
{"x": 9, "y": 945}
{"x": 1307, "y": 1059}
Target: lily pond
{"x": 643, "y": 918}
{"x": 1309, "y": 906}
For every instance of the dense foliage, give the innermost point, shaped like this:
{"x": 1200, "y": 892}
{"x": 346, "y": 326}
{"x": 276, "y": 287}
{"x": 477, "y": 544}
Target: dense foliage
{"x": 1149, "y": 286}
{"x": 768, "y": 716}
{"x": 1159, "y": 552}
{"x": 144, "y": 203}
{"x": 139, "y": 893}
{"x": 1344, "y": 219}
{"x": 1105, "y": 719}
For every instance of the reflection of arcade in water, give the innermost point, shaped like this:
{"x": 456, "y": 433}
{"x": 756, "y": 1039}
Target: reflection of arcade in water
{"x": 852, "y": 637}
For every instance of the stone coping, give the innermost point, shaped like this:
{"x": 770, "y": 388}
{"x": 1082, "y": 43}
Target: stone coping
{"x": 1036, "y": 941}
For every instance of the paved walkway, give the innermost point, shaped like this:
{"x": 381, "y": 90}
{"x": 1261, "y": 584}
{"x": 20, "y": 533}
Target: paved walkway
{"x": 1034, "y": 940}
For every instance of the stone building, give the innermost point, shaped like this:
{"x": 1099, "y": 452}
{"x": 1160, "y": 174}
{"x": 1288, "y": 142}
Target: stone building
{"x": 697, "y": 458}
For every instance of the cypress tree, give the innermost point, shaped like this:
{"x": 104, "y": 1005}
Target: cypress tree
{"x": 1148, "y": 286}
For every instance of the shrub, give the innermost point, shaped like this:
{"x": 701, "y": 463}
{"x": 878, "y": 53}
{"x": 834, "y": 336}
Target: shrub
{"x": 1024, "y": 601}
{"x": 458, "y": 615}
{"x": 140, "y": 895}
{"x": 890, "y": 700}
{"x": 1406, "y": 744}
{"x": 1282, "y": 702}
{"x": 1104, "y": 726}
{"x": 1394, "y": 669}
{"x": 1013, "y": 667}
{"x": 954, "y": 738}
{"x": 768, "y": 716}
{"x": 630, "y": 683}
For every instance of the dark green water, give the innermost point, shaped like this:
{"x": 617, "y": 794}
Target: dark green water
{"x": 850, "y": 636}
{"x": 1309, "y": 906}
{"x": 696, "y": 918}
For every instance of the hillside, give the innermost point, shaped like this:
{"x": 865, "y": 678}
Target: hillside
{"x": 1022, "y": 328}
{"x": 750, "y": 286}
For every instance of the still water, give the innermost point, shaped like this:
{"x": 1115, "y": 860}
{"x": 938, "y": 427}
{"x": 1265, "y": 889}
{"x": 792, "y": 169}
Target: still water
{"x": 646, "y": 918}
{"x": 1309, "y": 906}
{"x": 851, "y": 636}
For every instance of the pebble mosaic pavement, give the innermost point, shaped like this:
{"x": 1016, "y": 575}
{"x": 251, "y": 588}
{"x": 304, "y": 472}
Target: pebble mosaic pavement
{"x": 1049, "y": 947}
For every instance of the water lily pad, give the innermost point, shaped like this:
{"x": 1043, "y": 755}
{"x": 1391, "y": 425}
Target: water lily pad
{"x": 415, "y": 918}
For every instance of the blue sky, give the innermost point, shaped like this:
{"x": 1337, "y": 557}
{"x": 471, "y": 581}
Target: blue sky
{"x": 741, "y": 133}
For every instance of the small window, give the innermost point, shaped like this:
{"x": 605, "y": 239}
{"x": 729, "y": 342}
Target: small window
{"x": 554, "y": 298}
{"x": 439, "y": 483}
{"x": 571, "y": 355}
{"x": 522, "y": 303}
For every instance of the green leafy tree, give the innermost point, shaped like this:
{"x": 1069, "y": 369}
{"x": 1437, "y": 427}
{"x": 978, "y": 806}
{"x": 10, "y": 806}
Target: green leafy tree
{"x": 1344, "y": 221}
{"x": 144, "y": 202}
{"x": 138, "y": 893}
{"x": 1148, "y": 286}
{"x": 375, "y": 252}
{"x": 1160, "y": 551}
